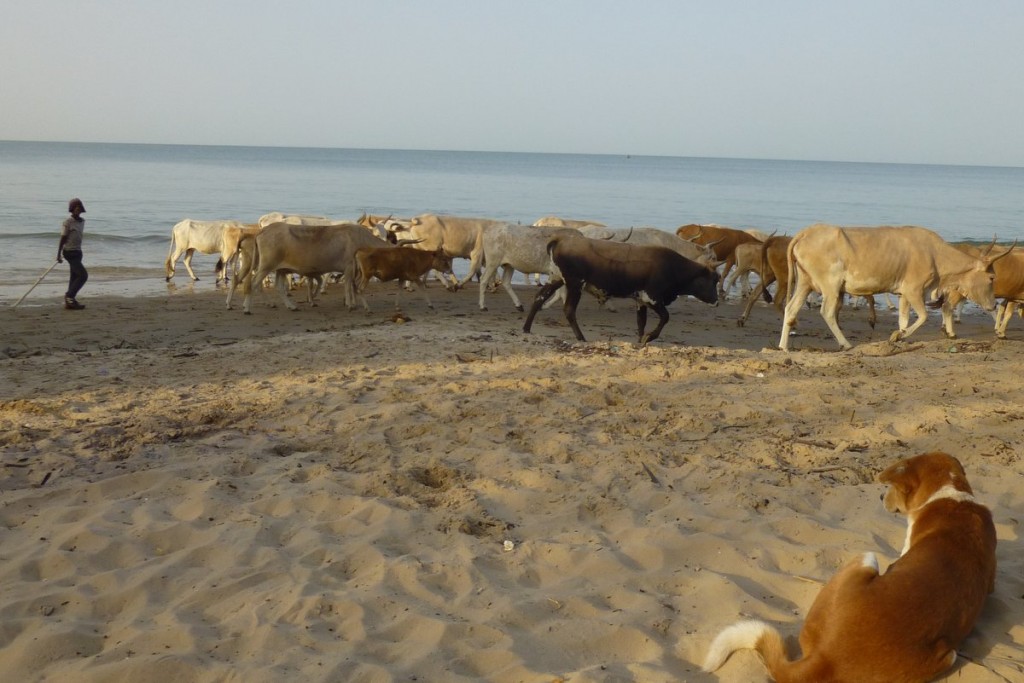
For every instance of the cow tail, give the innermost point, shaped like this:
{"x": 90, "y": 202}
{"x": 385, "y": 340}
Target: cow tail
{"x": 254, "y": 265}
{"x": 764, "y": 266}
{"x": 793, "y": 273}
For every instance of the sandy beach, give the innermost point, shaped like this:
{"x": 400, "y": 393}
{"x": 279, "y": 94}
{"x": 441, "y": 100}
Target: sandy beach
{"x": 192, "y": 494}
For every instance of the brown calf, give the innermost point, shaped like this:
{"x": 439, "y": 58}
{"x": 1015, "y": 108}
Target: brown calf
{"x": 402, "y": 264}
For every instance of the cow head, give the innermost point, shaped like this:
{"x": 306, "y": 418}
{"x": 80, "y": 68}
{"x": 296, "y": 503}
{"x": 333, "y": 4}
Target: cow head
{"x": 976, "y": 283}
{"x": 441, "y": 261}
{"x": 705, "y": 286}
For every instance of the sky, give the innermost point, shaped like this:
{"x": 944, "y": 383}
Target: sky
{"x": 909, "y": 81}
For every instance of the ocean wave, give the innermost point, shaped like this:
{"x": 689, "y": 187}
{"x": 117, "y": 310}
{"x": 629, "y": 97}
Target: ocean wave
{"x": 90, "y": 237}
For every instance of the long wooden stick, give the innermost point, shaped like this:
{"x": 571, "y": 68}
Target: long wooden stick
{"x": 36, "y": 283}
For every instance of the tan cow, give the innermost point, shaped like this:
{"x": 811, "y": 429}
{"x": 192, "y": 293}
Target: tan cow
{"x": 310, "y": 251}
{"x": 723, "y": 240}
{"x": 909, "y": 261}
{"x": 773, "y": 268}
{"x": 459, "y": 237}
{"x": 1007, "y": 287}
{"x": 748, "y": 260}
{"x": 405, "y": 264}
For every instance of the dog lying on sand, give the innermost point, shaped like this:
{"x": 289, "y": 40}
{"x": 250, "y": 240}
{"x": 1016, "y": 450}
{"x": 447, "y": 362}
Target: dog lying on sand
{"x": 905, "y": 625}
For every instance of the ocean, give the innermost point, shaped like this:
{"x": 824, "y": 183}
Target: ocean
{"x": 135, "y": 193}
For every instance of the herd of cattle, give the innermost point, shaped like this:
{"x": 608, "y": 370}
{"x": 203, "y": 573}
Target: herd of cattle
{"x": 651, "y": 266}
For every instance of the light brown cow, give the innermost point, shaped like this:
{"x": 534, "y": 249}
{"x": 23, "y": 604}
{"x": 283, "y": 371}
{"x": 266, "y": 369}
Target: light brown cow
{"x": 1007, "y": 287}
{"x": 723, "y": 240}
{"x": 748, "y": 260}
{"x": 405, "y": 264}
{"x": 909, "y": 261}
{"x": 459, "y": 237}
{"x": 310, "y": 251}
{"x": 773, "y": 268}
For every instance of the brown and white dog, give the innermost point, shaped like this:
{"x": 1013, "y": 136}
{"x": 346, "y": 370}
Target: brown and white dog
{"x": 902, "y": 626}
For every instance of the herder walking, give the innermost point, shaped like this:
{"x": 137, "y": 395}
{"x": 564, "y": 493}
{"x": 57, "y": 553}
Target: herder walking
{"x": 70, "y": 248}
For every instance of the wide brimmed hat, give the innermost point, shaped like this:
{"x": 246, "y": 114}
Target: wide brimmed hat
{"x": 76, "y": 203}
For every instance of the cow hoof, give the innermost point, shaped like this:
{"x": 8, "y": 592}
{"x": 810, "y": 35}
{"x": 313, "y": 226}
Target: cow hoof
{"x": 896, "y": 336}
{"x": 520, "y": 309}
{"x": 740, "y": 322}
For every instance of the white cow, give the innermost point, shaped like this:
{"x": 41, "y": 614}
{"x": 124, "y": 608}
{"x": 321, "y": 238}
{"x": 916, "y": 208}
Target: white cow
{"x": 909, "y": 261}
{"x": 557, "y": 222}
{"x": 516, "y": 247}
{"x": 296, "y": 219}
{"x": 206, "y": 237}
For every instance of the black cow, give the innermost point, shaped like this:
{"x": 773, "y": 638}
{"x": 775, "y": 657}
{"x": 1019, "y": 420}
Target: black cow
{"x": 652, "y": 276}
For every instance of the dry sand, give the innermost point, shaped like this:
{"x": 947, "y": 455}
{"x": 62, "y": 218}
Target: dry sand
{"x": 191, "y": 494}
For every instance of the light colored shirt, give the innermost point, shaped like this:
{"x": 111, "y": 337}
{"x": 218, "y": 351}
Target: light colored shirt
{"x": 72, "y": 230}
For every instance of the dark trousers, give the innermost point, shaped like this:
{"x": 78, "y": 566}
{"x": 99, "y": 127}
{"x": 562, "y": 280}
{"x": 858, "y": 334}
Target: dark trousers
{"x": 78, "y": 272}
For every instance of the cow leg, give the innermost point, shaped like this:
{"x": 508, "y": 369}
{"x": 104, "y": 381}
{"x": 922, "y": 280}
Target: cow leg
{"x": 830, "y": 312}
{"x": 793, "y": 306}
{"x": 1004, "y": 312}
{"x": 915, "y": 300}
{"x": 543, "y": 295}
{"x": 872, "y": 318}
{"x": 172, "y": 259}
{"x": 758, "y": 291}
{"x": 949, "y": 317}
{"x": 730, "y": 261}
{"x": 559, "y": 296}
{"x": 475, "y": 258}
{"x": 662, "y": 312}
{"x": 641, "y": 321}
{"x": 506, "y": 282}
{"x": 573, "y": 292}
{"x": 256, "y": 277}
{"x": 281, "y": 284}
{"x": 489, "y": 271}
{"x": 188, "y": 263}
{"x": 422, "y": 289}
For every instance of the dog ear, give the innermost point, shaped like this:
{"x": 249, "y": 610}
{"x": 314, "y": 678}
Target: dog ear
{"x": 892, "y": 473}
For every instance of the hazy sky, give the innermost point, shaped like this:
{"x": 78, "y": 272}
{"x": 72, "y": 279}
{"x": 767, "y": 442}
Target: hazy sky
{"x": 923, "y": 81}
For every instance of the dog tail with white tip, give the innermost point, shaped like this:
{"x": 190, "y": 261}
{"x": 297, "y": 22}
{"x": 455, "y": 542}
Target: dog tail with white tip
{"x": 758, "y": 636}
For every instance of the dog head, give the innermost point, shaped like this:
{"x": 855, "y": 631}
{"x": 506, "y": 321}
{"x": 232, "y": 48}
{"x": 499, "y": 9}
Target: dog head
{"x": 914, "y": 480}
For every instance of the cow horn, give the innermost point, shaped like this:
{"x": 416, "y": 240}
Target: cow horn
{"x": 710, "y": 245}
{"x": 1005, "y": 253}
{"x": 988, "y": 249}
{"x": 628, "y": 234}
{"x": 402, "y": 243}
